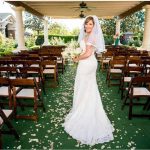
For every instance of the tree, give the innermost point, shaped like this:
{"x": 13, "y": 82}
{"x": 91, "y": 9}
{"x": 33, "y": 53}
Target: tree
{"x": 57, "y": 29}
{"x": 75, "y": 31}
{"x": 108, "y": 26}
{"x": 33, "y": 22}
{"x": 133, "y": 23}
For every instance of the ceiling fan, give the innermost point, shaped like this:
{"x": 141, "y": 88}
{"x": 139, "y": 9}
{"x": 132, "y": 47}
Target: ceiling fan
{"x": 83, "y": 7}
{"x": 82, "y": 15}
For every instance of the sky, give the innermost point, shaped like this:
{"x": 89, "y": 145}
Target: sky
{"x": 69, "y": 23}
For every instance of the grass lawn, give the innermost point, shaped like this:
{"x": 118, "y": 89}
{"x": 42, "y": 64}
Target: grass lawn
{"x": 48, "y": 133}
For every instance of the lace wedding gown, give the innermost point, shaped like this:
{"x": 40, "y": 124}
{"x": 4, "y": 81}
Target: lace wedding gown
{"x": 87, "y": 121}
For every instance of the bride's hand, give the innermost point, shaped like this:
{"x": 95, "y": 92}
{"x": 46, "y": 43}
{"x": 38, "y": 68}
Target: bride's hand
{"x": 75, "y": 59}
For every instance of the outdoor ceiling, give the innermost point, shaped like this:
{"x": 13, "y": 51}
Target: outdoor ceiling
{"x": 69, "y": 9}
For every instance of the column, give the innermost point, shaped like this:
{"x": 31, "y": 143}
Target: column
{"x": 46, "y": 42}
{"x": 146, "y": 35}
{"x": 118, "y": 29}
{"x": 19, "y": 28}
{"x": 118, "y": 26}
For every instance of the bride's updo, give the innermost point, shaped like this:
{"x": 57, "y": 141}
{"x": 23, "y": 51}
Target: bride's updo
{"x": 88, "y": 19}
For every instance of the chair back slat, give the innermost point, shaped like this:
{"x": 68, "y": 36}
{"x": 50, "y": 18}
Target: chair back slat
{"x": 22, "y": 82}
{"x": 145, "y": 79}
{"x": 4, "y": 81}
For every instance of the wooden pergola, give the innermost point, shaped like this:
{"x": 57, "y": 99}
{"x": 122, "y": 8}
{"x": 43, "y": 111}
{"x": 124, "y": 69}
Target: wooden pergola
{"x": 73, "y": 9}
{"x": 70, "y": 9}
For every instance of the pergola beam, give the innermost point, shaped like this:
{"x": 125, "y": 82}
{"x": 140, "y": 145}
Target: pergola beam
{"x": 134, "y": 9}
{"x": 27, "y": 8}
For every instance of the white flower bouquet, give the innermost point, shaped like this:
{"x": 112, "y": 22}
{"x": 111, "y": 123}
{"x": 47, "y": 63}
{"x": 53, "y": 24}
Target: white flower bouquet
{"x": 71, "y": 51}
{"x": 68, "y": 54}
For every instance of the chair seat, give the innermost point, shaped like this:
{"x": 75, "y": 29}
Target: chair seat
{"x": 147, "y": 66}
{"x": 106, "y": 61}
{"x": 12, "y": 77}
{"x": 7, "y": 113}
{"x": 19, "y": 66}
{"x": 127, "y": 79}
{"x": 59, "y": 61}
{"x": 34, "y": 65}
{"x": 26, "y": 93}
{"x": 48, "y": 71}
{"x": 115, "y": 71}
{"x": 135, "y": 72}
{"x": 4, "y": 91}
{"x": 139, "y": 91}
{"x": 32, "y": 72}
{"x": 132, "y": 65}
{"x": 119, "y": 66}
{"x": 50, "y": 66}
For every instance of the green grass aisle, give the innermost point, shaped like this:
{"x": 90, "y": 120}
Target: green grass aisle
{"x": 48, "y": 132}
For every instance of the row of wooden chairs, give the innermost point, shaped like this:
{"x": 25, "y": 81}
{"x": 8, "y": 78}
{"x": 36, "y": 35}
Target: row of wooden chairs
{"x": 132, "y": 72}
{"x": 138, "y": 94}
{"x": 43, "y": 68}
{"x": 21, "y": 88}
{"x": 19, "y": 93}
{"x": 106, "y": 57}
{"x": 134, "y": 86}
{"x": 22, "y": 77}
{"x": 36, "y": 57}
{"x": 116, "y": 66}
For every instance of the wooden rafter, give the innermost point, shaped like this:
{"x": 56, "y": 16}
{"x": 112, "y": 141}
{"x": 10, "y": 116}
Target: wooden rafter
{"x": 134, "y": 9}
{"x": 27, "y": 8}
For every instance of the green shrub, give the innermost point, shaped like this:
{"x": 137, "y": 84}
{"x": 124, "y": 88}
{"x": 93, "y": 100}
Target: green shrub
{"x": 35, "y": 47}
{"x": 108, "y": 39}
{"x": 136, "y": 43}
{"x": 30, "y": 41}
{"x": 6, "y": 45}
{"x": 66, "y": 39}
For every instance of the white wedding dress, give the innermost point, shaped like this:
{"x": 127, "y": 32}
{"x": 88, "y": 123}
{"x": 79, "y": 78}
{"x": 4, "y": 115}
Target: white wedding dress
{"x": 87, "y": 121}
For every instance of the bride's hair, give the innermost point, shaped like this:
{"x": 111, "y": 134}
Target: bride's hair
{"x": 96, "y": 36}
{"x": 90, "y": 18}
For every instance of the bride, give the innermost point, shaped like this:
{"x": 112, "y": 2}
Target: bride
{"x": 87, "y": 121}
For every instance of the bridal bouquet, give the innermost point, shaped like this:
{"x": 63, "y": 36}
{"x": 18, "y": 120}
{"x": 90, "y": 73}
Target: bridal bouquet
{"x": 75, "y": 52}
{"x": 69, "y": 54}
{"x": 71, "y": 51}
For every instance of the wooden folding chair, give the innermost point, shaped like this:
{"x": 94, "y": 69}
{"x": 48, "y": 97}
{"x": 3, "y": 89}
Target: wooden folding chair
{"x": 33, "y": 72}
{"x": 115, "y": 71}
{"x": 138, "y": 88}
{"x": 50, "y": 68}
{"x": 5, "y": 116}
{"x": 134, "y": 63}
{"x": 9, "y": 72}
{"x": 28, "y": 89}
{"x": 105, "y": 59}
{"x": 146, "y": 65}
{"x": 60, "y": 62}
{"x": 127, "y": 75}
{"x": 16, "y": 63}
{"x": 5, "y": 92}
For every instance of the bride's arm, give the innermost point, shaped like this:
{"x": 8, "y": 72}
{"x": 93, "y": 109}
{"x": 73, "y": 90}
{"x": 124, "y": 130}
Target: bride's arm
{"x": 86, "y": 54}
